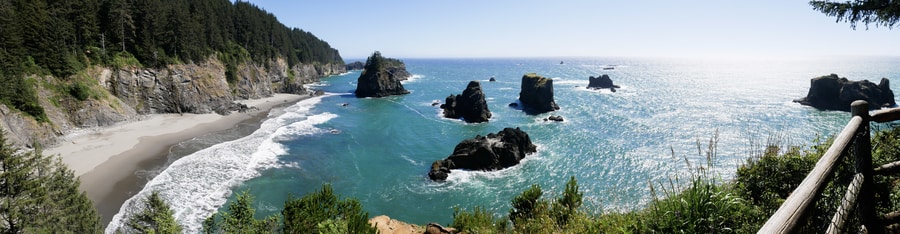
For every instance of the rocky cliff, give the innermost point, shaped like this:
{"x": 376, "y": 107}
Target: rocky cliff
{"x": 381, "y": 77}
{"x": 126, "y": 94}
{"x": 470, "y": 105}
{"x": 833, "y": 93}
{"x": 485, "y": 153}
{"x": 537, "y": 94}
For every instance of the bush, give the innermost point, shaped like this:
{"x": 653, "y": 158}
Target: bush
{"x": 80, "y": 91}
{"x": 527, "y": 205}
{"x": 323, "y": 212}
{"x": 478, "y": 221}
{"x": 156, "y": 217}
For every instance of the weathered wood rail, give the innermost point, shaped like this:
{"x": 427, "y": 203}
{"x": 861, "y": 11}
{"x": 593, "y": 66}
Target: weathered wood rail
{"x": 860, "y": 191}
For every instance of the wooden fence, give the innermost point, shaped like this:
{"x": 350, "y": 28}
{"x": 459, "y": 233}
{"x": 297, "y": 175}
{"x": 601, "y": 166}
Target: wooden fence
{"x": 860, "y": 191}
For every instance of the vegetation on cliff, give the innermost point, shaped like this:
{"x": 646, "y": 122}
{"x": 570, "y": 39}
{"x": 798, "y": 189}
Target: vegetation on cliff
{"x": 62, "y": 38}
{"x": 38, "y": 194}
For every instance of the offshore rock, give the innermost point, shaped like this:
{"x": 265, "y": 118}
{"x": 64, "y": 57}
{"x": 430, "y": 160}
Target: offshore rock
{"x": 381, "y": 77}
{"x": 470, "y": 105}
{"x": 537, "y": 94}
{"x": 601, "y": 82}
{"x": 485, "y": 153}
{"x": 833, "y": 93}
{"x": 356, "y": 66}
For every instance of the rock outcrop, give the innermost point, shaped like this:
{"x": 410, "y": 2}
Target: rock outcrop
{"x": 381, "y": 77}
{"x": 356, "y": 66}
{"x": 833, "y": 93}
{"x": 601, "y": 82}
{"x": 536, "y": 95}
{"x": 133, "y": 91}
{"x": 485, "y": 153}
{"x": 470, "y": 105}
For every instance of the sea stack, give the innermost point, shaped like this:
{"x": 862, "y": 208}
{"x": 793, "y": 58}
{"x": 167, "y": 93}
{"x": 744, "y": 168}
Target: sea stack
{"x": 601, "y": 82}
{"x": 833, "y": 93}
{"x": 470, "y": 105}
{"x": 537, "y": 94}
{"x": 485, "y": 153}
{"x": 381, "y": 77}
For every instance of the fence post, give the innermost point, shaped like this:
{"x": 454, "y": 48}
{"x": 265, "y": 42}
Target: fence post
{"x": 863, "y": 148}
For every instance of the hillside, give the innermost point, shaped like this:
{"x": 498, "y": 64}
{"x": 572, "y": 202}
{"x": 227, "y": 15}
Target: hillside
{"x": 73, "y": 64}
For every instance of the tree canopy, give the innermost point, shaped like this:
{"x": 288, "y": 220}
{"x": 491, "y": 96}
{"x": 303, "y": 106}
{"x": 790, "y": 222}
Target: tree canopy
{"x": 39, "y": 194}
{"x": 884, "y": 13}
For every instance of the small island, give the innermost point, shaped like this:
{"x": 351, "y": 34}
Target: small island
{"x": 381, "y": 77}
{"x": 537, "y": 94}
{"x": 470, "y": 105}
{"x": 485, "y": 153}
{"x": 833, "y": 93}
{"x": 601, "y": 82}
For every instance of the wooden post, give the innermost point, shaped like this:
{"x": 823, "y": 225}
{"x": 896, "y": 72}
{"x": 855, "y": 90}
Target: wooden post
{"x": 863, "y": 149}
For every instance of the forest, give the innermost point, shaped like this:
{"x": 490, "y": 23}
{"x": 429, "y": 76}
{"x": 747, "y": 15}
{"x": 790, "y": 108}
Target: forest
{"x": 61, "y": 38}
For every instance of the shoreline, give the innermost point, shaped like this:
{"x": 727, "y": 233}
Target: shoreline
{"x": 114, "y": 163}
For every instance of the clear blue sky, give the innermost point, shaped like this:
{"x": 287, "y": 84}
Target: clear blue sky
{"x": 506, "y": 28}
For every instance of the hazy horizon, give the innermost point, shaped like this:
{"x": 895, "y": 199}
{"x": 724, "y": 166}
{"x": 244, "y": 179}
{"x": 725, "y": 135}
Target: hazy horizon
{"x": 517, "y": 29}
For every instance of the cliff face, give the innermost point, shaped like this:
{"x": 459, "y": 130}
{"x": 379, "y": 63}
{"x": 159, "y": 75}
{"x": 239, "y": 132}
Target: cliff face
{"x": 381, "y": 77}
{"x": 537, "y": 94}
{"x": 184, "y": 88}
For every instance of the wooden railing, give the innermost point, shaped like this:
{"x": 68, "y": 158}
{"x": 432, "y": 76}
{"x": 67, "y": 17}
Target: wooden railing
{"x": 860, "y": 191}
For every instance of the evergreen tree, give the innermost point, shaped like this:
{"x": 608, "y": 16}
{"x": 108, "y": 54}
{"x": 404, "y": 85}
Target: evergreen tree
{"x": 878, "y": 12}
{"x": 38, "y": 194}
{"x": 155, "y": 218}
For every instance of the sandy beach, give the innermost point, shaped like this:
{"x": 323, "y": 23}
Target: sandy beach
{"x": 108, "y": 159}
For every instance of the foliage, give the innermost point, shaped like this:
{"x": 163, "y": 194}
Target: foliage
{"x": 527, "y": 204}
{"x": 478, "y": 221}
{"x": 878, "y": 12}
{"x": 376, "y": 62}
{"x": 155, "y": 218}
{"x": 566, "y": 206}
{"x": 16, "y": 92}
{"x": 40, "y": 195}
{"x": 318, "y": 212}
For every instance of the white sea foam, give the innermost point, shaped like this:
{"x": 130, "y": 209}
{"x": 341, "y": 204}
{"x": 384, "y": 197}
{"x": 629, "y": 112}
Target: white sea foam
{"x": 197, "y": 184}
{"x": 412, "y": 78}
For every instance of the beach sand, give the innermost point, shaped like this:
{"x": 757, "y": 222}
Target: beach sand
{"x": 110, "y": 161}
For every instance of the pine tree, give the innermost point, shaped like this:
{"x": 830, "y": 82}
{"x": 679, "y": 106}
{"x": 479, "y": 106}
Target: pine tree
{"x": 878, "y": 12}
{"x": 38, "y": 194}
{"x": 155, "y": 218}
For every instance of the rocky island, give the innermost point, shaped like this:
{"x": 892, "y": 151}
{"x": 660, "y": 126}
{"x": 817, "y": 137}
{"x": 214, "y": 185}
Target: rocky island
{"x": 485, "y": 153}
{"x": 470, "y": 105}
{"x": 833, "y": 93}
{"x": 537, "y": 94}
{"x": 355, "y": 66}
{"x": 381, "y": 77}
{"x": 601, "y": 82}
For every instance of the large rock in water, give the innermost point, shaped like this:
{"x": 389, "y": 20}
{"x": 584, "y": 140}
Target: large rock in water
{"x": 833, "y": 93}
{"x": 470, "y": 105}
{"x": 601, "y": 82}
{"x": 485, "y": 153}
{"x": 381, "y": 77}
{"x": 355, "y": 66}
{"x": 537, "y": 94}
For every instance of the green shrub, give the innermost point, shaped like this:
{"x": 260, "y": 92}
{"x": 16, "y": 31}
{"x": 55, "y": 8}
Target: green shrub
{"x": 324, "y": 209}
{"x": 80, "y": 91}
{"x": 156, "y": 217}
{"x": 527, "y": 205}
{"x": 478, "y": 221}
{"x": 566, "y": 206}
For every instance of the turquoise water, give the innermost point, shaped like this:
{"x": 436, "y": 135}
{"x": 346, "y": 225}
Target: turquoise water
{"x": 615, "y": 144}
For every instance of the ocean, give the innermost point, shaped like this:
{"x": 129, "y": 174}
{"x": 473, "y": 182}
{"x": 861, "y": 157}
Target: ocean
{"x": 654, "y": 129}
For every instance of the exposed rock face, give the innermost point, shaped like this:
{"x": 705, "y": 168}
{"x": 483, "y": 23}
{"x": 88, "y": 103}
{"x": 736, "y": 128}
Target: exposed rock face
{"x": 833, "y": 93}
{"x": 485, "y": 153}
{"x": 183, "y": 88}
{"x": 601, "y": 82}
{"x": 537, "y": 94}
{"x": 470, "y": 105}
{"x": 356, "y": 66}
{"x": 381, "y": 77}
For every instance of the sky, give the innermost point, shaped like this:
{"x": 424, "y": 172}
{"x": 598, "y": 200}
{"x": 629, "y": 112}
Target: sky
{"x": 582, "y": 28}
